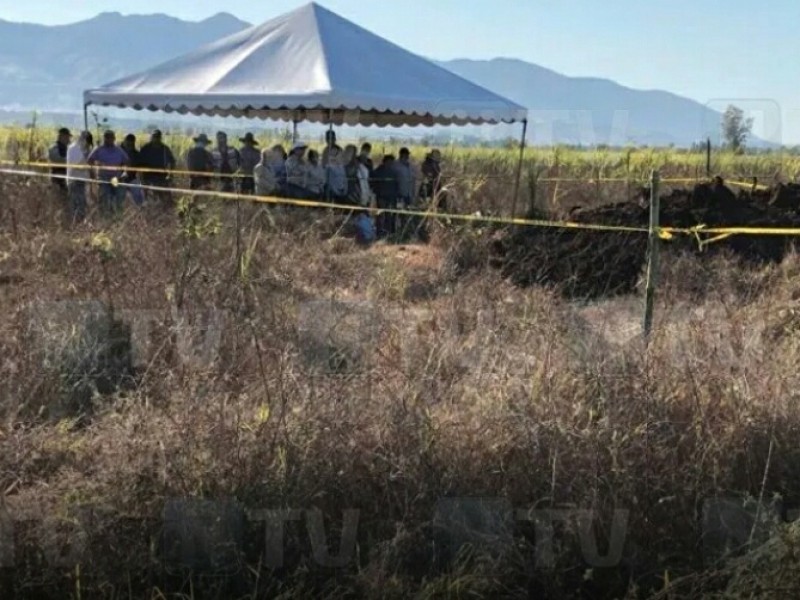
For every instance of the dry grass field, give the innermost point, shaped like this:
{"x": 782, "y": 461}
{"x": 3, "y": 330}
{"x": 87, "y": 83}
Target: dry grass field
{"x": 168, "y": 378}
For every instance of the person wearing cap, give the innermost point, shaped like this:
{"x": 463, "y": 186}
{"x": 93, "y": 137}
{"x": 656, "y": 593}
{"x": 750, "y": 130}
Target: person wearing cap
{"x": 296, "y": 171}
{"x": 156, "y": 160}
{"x": 131, "y": 176}
{"x": 78, "y": 175}
{"x": 57, "y": 155}
{"x": 249, "y": 157}
{"x": 111, "y": 161}
{"x": 199, "y": 161}
{"x": 226, "y": 162}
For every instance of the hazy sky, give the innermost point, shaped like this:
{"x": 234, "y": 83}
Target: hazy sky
{"x": 715, "y": 51}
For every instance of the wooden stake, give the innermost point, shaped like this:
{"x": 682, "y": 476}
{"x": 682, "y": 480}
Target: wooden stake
{"x": 652, "y": 256}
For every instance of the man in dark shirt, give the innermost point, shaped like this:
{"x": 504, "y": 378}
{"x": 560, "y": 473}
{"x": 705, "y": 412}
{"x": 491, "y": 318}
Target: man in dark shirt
{"x": 432, "y": 188}
{"x": 386, "y": 190}
{"x": 58, "y": 156}
{"x": 366, "y": 157}
{"x": 156, "y": 155}
{"x": 199, "y": 160}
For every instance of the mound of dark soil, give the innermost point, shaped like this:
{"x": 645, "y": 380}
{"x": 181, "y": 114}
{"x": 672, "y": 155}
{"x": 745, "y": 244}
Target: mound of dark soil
{"x": 592, "y": 264}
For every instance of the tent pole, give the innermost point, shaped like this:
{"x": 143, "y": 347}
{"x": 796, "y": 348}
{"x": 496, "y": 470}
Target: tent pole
{"x": 519, "y": 167}
{"x": 86, "y": 116}
{"x": 330, "y": 147}
{"x": 294, "y": 131}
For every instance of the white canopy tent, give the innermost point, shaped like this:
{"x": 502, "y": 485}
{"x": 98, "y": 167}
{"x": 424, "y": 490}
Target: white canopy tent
{"x": 311, "y": 65}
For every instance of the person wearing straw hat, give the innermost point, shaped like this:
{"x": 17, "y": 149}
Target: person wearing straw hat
{"x": 249, "y": 157}
{"x": 200, "y": 161}
{"x": 296, "y": 172}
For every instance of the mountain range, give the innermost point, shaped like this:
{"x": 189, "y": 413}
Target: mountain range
{"x": 46, "y": 68}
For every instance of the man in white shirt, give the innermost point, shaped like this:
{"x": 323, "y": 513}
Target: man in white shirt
{"x": 77, "y": 175}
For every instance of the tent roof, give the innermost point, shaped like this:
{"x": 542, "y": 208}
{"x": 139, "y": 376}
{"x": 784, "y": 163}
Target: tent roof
{"x": 309, "y": 64}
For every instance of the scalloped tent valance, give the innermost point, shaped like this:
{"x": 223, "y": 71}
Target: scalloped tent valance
{"x": 310, "y": 65}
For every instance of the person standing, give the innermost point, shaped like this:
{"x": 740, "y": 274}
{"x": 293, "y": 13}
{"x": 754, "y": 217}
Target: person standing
{"x": 406, "y": 191}
{"x": 406, "y": 180}
{"x": 330, "y": 145}
{"x": 315, "y": 176}
{"x": 57, "y": 155}
{"x": 336, "y": 177}
{"x": 365, "y": 183}
{"x": 78, "y": 175}
{"x": 365, "y": 156}
{"x": 296, "y": 172}
{"x": 131, "y": 175}
{"x": 278, "y": 158}
{"x": 111, "y": 161}
{"x": 432, "y": 189}
{"x": 266, "y": 181}
{"x": 226, "y": 163}
{"x": 351, "y": 169}
{"x": 249, "y": 157}
{"x": 156, "y": 160}
{"x": 386, "y": 193}
{"x": 199, "y": 161}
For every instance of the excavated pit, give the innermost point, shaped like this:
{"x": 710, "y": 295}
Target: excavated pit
{"x": 594, "y": 264}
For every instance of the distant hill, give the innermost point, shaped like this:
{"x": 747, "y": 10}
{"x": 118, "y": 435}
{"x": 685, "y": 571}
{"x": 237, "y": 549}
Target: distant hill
{"x": 47, "y": 68}
{"x": 589, "y": 110}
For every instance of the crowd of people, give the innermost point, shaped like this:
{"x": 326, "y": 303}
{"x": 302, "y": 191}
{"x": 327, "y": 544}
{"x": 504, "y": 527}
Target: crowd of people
{"x": 339, "y": 175}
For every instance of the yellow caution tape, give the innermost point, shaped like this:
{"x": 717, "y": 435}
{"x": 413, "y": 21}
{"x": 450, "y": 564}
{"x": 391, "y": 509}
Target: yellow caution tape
{"x": 750, "y": 185}
{"x": 664, "y": 233}
{"x": 350, "y": 208}
{"x": 49, "y": 165}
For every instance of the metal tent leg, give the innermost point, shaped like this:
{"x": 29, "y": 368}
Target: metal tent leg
{"x": 519, "y": 168}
